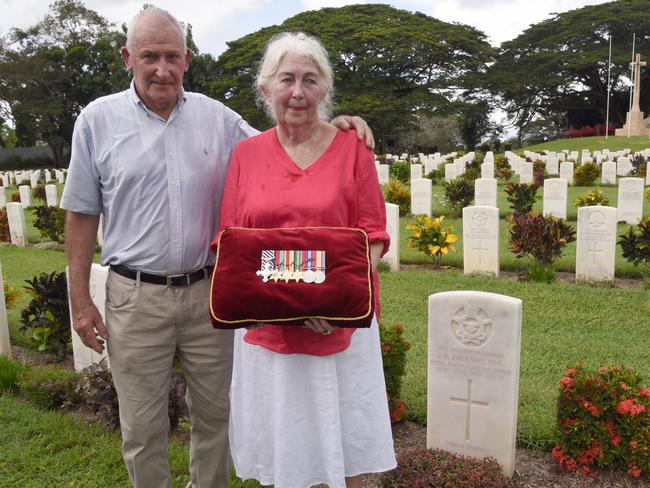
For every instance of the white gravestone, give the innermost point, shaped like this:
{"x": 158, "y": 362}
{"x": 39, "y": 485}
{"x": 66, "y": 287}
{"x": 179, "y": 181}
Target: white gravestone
{"x": 552, "y": 166}
{"x": 566, "y": 172}
{"x": 608, "y": 173}
{"x": 83, "y": 355}
{"x": 60, "y": 177}
{"x": 3, "y": 197}
{"x": 555, "y": 197}
{"x": 473, "y": 380}
{"x": 51, "y": 196}
{"x": 5, "y": 344}
{"x": 485, "y": 192}
{"x": 5, "y": 181}
{"x": 487, "y": 170}
{"x": 383, "y": 174}
{"x": 481, "y": 240}
{"x": 450, "y": 172}
{"x": 630, "y": 200}
{"x": 100, "y": 231}
{"x": 596, "y": 243}
{"x": 460, "y": 164}
{"x": 17, "y": 227}
{"x": 421, "y": 196}
{"x": 392, "y": 227}
{"x": 416, "y": 171}
{"x": 526, "y": 173}
{"x": 48, "y": 176}
{"x": 623, "y": 166}
{"x": 647, "y": 175}
{"x": 25, "y": 196}
{"x": 33, "y": 179}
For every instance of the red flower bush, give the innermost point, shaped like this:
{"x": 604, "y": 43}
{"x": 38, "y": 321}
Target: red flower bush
{"x": 603, "y": 422}
{"x": 393, "y": 354}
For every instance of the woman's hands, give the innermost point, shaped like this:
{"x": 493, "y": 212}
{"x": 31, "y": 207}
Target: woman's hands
{"x": 319, "y": 326}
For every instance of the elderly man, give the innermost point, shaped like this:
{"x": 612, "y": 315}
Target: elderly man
{"x": 153, "y": 160}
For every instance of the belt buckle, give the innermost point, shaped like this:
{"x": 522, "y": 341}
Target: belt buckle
{"x": 170, "y": 278}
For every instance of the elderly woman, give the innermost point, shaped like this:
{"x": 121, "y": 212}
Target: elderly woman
{"x": 308, "y": 404}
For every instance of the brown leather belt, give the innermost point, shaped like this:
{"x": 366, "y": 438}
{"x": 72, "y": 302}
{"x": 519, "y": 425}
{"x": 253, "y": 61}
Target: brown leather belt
{"x": 181, "y": 279}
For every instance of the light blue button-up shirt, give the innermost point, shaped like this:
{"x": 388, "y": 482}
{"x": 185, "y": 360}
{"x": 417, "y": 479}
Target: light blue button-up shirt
{"x": 158, "y": 183}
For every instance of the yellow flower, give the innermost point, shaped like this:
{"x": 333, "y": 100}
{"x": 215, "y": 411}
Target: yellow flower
{"x": 433, "y": 249}
{"x": 451, "y": 238}
{"x": 444, "y": 250}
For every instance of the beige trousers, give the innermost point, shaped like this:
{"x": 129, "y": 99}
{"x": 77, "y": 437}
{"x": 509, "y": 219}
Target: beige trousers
{"x": 148, "y": 326}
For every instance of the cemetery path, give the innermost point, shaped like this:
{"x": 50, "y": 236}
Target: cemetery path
{"x": 533, "y": 469}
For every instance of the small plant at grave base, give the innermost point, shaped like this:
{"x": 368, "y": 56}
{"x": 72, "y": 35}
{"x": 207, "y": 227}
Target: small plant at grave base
{"x": 639, "y": 165}
{"x": 10, "y": 372}
{"x": 5, "y": 235}
{"x": 12, "y": 293}
{"x": 647, "y": 193}
{"x": 436, "y": 175}
{"x": 521, "y": 197}
{"x": 459, "y": 193}
{"x": 47, "y": 317}
{"x": 594, "y": 197}
{"x": 38, "y": 193}
{"x": 636, "y": 247}
{"x": 15, "y": 197}
{"x": 50, "y": 221}
{"x": 430, "y": 238}
{"x": 397, "y": 192}
{"x": 423, "y": 468}
{"x": 393, "y": 354}
{"x": 539, "y": 172}
{"x": 542, "y": 238}
{"x": 502, "y": 168}
{"x": 50, "y": 387}
{"x": 401, "y": 171}
{"x": 586, "y": 174}
{"x": 603, "y": 421}
{"x": 96, "y": 389}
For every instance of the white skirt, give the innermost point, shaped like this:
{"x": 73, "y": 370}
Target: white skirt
{"x": 298, "y": 420}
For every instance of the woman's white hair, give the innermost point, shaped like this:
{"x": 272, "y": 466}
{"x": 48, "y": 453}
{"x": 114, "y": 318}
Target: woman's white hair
{"x": 152, "y": 10}
{"x": 303, "y": 45}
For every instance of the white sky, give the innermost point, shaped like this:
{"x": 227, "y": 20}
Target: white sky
{"x": 214, "y": 23}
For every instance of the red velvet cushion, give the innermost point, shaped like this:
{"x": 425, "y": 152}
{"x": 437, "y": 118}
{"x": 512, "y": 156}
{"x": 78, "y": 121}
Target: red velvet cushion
{"x": 246, "y": 288}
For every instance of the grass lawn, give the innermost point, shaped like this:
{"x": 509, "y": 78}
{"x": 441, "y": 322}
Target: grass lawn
{"x": 613, "y": 143}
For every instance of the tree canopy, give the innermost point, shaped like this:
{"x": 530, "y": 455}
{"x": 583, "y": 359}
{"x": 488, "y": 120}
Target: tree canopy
{"x": 389, "y": 64}
{"x": 51, "y": 70}
{"x": 556, "y": 70}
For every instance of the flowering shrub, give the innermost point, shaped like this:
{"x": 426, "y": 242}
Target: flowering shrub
{"x": 586, "y": 174}
{"x": 603, "y": 421}
{"x": 12, "y": 293}
{"x": 423, "y": 468}
{"x": 647, "y": 193}
{"x": 594, "y": 197}
{"x": 393, "y": 354}
{"x": 521, "y": 196}
{"x": 430, "y": 238}
{"x": 399, "y": 194}
{"x": 5, "y": 236}
{"x": 639, "y": 165}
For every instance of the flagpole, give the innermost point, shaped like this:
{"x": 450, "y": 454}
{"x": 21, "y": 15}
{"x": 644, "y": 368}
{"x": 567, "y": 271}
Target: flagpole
{"x": 609, "y": 86}
{"x": 629, "y": 124}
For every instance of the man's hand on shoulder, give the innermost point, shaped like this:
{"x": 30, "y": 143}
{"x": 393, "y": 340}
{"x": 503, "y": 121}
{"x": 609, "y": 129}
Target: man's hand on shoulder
{"x": 346, "y": 122}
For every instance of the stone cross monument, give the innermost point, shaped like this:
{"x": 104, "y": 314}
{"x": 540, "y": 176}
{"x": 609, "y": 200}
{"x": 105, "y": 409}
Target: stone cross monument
{"x": 634, "y": 125}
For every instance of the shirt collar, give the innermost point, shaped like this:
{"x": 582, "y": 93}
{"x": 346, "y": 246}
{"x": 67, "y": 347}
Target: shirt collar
{"x": 133, "y": 94}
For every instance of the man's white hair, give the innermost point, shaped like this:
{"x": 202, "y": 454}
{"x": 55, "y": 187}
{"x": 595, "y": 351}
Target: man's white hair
{"x": 152, "y": 10}
{"x": 303, "y": 45}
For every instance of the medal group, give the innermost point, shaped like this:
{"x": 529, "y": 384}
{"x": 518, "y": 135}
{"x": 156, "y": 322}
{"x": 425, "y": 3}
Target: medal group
{"x": 287, "y": 265}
